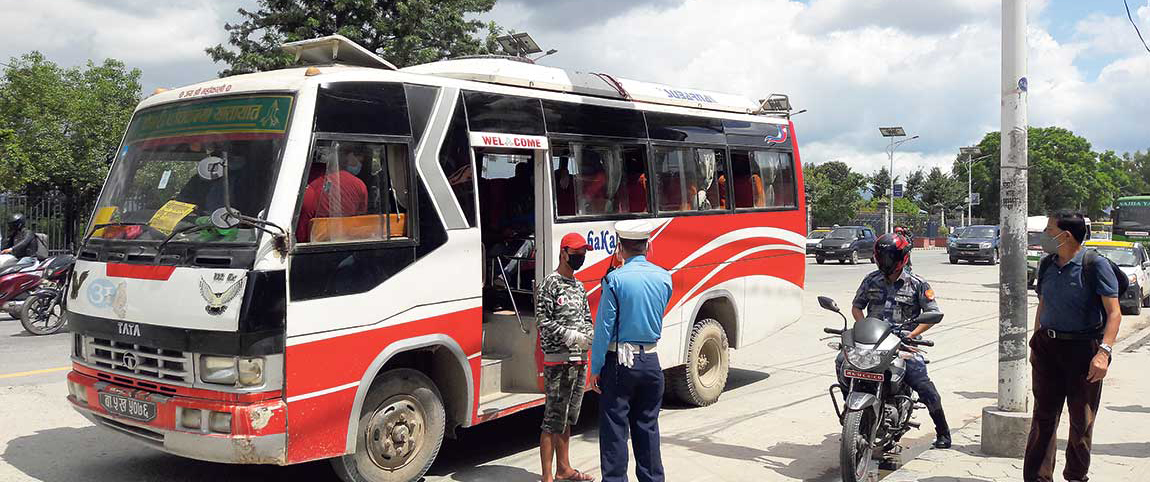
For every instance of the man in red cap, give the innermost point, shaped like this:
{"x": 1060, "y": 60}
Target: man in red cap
{"x": 565, "y": 331}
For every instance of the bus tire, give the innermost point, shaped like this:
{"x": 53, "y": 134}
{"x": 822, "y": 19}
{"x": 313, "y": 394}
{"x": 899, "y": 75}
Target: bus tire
{"x": 400, "y": 431}
{"x": 702, "y": 379}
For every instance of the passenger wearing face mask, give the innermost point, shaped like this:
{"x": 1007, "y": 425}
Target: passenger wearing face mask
{"x": 565, "y": 331}
{"x": 336, "y": 193}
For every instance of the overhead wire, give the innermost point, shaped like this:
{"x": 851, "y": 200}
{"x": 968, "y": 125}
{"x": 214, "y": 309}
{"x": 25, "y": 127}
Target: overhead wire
{"x": 1135, "y": 24}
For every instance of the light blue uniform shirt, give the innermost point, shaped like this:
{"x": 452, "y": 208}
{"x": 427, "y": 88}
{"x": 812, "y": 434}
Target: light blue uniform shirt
{"x": 634, "y": 297}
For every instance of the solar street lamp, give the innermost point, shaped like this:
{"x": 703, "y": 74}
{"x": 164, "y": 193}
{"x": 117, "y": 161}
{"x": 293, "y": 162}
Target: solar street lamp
{"x": 893, "y": 132}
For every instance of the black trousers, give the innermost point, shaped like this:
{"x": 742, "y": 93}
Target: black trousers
{"x": 630, "y": 403}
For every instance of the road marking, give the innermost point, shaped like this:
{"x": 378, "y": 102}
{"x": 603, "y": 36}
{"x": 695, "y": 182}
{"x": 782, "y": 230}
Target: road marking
{"x": 34, "y": 372}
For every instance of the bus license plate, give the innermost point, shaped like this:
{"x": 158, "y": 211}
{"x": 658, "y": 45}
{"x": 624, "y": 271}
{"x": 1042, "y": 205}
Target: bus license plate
{"x": 128, "y": 407}
{"x": 875, "y": 377}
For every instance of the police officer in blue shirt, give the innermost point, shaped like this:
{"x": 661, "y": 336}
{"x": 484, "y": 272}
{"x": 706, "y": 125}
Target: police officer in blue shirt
{"x": 625, "y": 369}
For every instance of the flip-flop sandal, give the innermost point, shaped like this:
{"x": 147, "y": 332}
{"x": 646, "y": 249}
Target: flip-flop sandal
{"x": 577, "y": 477}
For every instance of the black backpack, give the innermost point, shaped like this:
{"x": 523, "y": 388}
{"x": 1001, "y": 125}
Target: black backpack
{"x": 1090, "y": 261}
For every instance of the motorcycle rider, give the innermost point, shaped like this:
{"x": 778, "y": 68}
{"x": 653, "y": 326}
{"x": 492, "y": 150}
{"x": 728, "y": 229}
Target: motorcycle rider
{"x": 21, "y": 242}
{"x": 896, "y": 295}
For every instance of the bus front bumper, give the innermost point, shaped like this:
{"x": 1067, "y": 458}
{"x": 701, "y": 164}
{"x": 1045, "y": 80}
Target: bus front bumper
{"x": 257, "y": 429}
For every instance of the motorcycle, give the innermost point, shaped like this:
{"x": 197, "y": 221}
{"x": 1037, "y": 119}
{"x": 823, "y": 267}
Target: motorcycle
{"x": 43, "y": 312}
{"x": 877, "y": 404}
{"x": 17, "y": 278}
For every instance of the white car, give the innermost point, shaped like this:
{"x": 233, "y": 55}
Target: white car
{"x": 1134, "y": 260}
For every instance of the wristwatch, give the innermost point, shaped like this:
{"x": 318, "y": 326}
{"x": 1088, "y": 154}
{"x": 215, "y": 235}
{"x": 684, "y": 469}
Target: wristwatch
{"x": 1108, "y": 349}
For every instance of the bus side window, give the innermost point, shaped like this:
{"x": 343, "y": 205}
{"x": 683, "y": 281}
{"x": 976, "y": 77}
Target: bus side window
{"x": 598, "y": 179}
{"x": 690, "y": 179}
{"x": 763, "y": 179}
{"x": 356, "y": 191}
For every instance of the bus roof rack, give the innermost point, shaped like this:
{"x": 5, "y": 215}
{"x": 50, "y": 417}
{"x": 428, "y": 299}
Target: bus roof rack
{"x": 335, "y": 49}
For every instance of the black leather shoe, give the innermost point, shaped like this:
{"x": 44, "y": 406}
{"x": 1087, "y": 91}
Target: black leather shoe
{"x": 942, "y": 441}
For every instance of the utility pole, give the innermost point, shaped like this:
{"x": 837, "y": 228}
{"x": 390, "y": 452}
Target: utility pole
{"x": 1006, "y": 426}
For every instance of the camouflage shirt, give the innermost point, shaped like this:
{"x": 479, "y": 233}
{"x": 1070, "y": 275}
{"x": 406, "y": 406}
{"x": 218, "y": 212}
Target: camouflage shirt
{"x": 561, "y": 306}
{"x": 897, "y": 302}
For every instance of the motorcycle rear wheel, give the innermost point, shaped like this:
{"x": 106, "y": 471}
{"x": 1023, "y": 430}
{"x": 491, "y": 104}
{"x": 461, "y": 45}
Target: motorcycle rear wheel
{"x": 857, "y": 448}
{"x": 42, "y": 314}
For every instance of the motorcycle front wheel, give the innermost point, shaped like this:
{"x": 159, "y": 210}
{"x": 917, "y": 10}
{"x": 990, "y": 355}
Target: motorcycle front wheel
{"x": 42, "y": 314}
{"x": 857, "y": 446}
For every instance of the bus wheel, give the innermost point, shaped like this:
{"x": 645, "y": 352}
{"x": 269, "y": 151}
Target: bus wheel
{"x": 400, "y": 430}
{"x": 702, "y": 379}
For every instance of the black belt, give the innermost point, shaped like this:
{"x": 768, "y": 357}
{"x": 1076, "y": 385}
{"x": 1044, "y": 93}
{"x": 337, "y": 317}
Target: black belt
{"x": 1062, "y": 335}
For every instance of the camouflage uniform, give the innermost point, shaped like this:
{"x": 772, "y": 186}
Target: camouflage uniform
{"x": 562, "y": 306}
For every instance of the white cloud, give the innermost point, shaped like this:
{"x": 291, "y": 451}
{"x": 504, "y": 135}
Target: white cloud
{"x": 933, "y": 67}
{"x": 166, "y": 41}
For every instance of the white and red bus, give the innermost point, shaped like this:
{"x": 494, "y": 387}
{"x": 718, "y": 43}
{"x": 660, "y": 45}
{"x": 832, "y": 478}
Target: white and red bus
{"x": 338, "y": 260}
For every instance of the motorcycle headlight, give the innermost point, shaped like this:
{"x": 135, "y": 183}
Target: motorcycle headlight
{"x": 864, "y": 358}
{"x": 984, "y": 245}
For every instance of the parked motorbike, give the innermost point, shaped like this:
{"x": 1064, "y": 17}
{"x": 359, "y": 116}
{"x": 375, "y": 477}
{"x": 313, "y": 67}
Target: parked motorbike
{"x": 877, "y": 404}
{"x": 17, "y": 279}
{"x": 43, "y": 312}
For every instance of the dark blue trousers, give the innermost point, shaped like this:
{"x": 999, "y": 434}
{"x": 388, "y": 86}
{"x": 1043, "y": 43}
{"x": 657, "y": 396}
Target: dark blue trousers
{"x": 630, "y": 402}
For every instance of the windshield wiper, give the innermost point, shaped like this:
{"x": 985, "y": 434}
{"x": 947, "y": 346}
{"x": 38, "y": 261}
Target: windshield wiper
{"x": 184, "y": 230}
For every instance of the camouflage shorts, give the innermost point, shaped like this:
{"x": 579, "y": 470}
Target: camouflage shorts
{"x": 563, "y": 384}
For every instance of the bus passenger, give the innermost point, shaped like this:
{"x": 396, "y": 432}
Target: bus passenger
{"x": 335, "y": 194}
{"x": 565, "y": 330}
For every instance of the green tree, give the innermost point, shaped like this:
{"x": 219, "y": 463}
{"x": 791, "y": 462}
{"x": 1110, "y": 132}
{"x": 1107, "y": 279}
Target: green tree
{"x": 59, "y": 127}
{"x": 834, "y": 192}
{"x": 405, "y": 32}
{"x": 914, "y": 184}
{"x": 879, "y": 183}
{"x": 940, "y": 189}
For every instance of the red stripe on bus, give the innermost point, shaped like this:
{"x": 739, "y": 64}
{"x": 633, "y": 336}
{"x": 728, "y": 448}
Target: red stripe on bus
{"x": 140, "y": 271}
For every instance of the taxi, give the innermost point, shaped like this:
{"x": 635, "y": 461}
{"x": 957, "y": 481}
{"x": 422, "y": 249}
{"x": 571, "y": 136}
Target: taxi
{"x": 1134, "y": 260}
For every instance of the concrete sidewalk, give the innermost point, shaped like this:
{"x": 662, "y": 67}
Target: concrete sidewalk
{"x": 1121, "y": 449}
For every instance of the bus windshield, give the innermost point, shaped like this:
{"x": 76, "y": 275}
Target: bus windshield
{"x": 155, "y": 186}
{"x": 1133, "y": 216}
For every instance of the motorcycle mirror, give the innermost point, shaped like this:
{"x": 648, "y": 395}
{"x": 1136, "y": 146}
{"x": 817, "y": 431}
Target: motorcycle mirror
{"x": 211, "y": 168}
{"x": 929, "y": 318}
{"x": 828, "y": 304}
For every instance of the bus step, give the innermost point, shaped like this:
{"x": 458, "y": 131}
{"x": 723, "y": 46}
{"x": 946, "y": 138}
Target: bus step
{"x": 491, "y": 380}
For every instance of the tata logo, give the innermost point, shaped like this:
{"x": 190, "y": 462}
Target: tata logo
{"x": 127, "y": 329}
{"x": 604, "y": 241}
{"x": 101, "y": 293}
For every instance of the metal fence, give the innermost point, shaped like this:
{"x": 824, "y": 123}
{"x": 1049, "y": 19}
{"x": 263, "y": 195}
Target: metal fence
{"x": 45, "y": 214}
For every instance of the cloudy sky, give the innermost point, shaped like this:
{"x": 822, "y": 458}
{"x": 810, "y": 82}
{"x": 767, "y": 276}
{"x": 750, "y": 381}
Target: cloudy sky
{"x": 929, "y": 65}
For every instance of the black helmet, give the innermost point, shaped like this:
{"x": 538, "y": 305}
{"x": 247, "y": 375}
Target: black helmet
{"x": 16, "y": 222}
{"x": 891, "y": 253}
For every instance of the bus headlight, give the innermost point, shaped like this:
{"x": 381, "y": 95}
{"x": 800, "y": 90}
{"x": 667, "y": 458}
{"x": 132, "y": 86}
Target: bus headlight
{"x": 218, "y": 369}
{"x": 226, "y": 370}
{"x": 251, "y": 371}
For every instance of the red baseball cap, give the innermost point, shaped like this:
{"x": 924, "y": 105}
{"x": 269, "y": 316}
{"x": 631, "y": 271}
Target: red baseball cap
{"x": 573, "y": 241}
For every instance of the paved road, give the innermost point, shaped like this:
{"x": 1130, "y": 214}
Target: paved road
{"x": 774, "y": 422}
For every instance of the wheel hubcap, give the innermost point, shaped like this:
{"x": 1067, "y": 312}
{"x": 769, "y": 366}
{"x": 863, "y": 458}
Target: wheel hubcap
{"x": 709, "y": 360}
{"x": 396, "y": 432}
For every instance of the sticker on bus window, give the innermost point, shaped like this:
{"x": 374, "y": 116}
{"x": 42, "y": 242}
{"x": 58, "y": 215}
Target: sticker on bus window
{"x": 103, "y": 216}
{"x": 166, "y": 219}
{"x": 164, "y": 178}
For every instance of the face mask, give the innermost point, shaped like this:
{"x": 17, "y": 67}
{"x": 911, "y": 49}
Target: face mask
{"x": 1050, "y": 243}
{"x": 354, "y": 169}
{"x": 575, "y": 261}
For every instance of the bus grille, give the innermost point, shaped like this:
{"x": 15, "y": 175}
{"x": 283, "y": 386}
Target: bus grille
{"x": 140, "y": 360}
